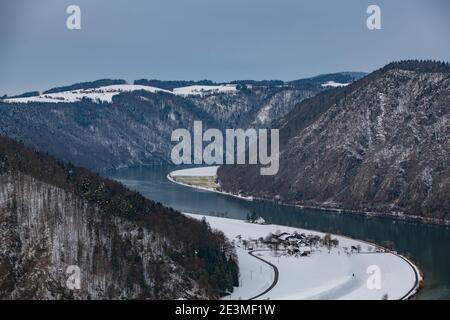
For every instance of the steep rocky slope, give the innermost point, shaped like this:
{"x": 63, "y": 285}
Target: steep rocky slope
{"x": 381, "y": 144}
{"x": 54, "y": 215}
{"x": 257, "y": 106}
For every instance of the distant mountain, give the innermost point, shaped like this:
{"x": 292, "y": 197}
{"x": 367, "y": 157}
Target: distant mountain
{"x": 317, "y": 81}
{"x": 341, "y": 77}
{"x": 96, "y": 94}
{"x": 106, "y": 124}
{"x": 135, "y": 128}
{"x": 55, "y": 215}
{"x": 261, "y": 83}
{"x": 170, "y": 85}
{"x": 26, "y": 95}
{"x": 86, "y": 85}
{"x": 380, "y": 144}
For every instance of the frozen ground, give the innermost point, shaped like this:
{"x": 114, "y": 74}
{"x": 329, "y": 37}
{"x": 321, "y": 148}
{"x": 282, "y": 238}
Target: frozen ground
{"x": 196, "y": 172}
{"x": 200, "y": 172}
{"x": 199, "y": 90}
{"x": 106, "y": 93}
{"x": 322, "y": 275}
{"x": 103, "y": 94}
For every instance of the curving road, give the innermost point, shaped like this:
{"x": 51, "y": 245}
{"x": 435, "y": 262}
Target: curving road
{"x": 275, "y": 278}
{"x": 409, "y": 294}
{"x": 276, "y": 275}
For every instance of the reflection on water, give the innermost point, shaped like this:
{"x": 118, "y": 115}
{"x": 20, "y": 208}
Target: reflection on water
{"x": 428, "y": 246}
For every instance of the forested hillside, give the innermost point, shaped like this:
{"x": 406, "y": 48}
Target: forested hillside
{"x": 134, "y": 128}
{"x": 381, "y": 144}
{"x": 54, "y": 215}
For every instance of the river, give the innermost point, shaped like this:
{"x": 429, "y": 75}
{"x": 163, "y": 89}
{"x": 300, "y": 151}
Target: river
{"x": 427, "y": 245}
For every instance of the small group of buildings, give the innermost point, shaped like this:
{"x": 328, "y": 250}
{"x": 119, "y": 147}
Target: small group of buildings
{"x": 295, "y": 244}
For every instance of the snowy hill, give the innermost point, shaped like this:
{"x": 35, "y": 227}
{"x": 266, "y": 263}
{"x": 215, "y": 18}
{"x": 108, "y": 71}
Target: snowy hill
{"x": 100, "y": 94}
{"x": 106, "y": 93}
{"x": 108, "y": 123}
{"x": 200, "y": 90}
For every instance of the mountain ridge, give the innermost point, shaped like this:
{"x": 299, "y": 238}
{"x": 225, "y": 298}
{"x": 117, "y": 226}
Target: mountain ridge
{"x": 379, "y": 145}
{"x": 56, "y": 215}
{"x": 127, "y": 126}
{"x": 347, "y": 76}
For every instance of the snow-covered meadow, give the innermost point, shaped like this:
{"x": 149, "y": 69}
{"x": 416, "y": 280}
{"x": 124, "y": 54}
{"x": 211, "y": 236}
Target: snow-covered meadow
{"x": 106, "y": 93}
{"x": 200, "y": 90}
{"x": 178, "y": 176}
{"x": 324, "y": 274}
{"x": 196, "y": 172}
{"x": 100, "y": 94}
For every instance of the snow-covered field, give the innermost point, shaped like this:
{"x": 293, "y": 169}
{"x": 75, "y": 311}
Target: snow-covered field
{"x": 201, "y": 172}
{"x": 106, "y": 93}
{"x": 199, "y": 90}
{"x": 196, "y": 172}
{"x": 324, "y": 274}
{"x": 103, "y": 94}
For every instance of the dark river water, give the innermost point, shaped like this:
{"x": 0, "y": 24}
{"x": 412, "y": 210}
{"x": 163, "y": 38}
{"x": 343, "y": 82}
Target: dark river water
{"x": 427, "y": 245}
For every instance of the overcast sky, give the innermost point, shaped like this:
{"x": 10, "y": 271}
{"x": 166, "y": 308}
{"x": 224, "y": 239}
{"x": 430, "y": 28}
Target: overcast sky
{"x": 210, "y": 39}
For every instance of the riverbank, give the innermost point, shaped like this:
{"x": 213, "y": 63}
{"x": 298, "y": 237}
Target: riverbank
{"x": 327, "y": 273}
{"x": 202, "y": 178}
{"x": 211, "y": 172}
{"x": 427, "y": 245}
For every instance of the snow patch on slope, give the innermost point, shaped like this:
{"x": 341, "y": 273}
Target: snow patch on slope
{"x": 200, "y": 90}
{"x": 334, "y": 84}
{"x": 106, "y": 93}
